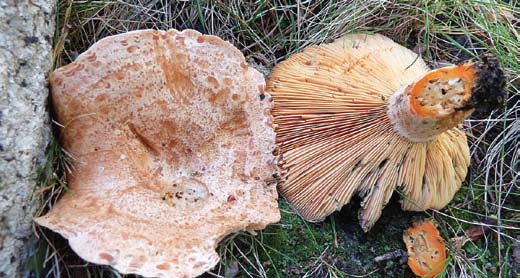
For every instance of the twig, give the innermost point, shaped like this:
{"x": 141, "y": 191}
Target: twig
{"x": 399, "y": 253}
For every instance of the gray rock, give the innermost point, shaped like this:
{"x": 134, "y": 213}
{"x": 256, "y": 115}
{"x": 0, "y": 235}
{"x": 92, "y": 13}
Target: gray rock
{"x": 26, "y": 30}
{"x": 259, "y": 67}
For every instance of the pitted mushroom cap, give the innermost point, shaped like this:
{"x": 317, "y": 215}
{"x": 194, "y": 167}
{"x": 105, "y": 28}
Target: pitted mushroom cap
{"x": 173, "y": 141}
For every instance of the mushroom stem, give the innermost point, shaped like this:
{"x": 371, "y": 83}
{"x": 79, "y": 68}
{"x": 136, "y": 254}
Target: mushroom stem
{"x": 443, "y": 98}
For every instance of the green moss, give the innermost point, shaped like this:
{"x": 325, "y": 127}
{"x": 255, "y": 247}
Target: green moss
{"x": 293, "y": 241}
{"x": 336, "y": 246}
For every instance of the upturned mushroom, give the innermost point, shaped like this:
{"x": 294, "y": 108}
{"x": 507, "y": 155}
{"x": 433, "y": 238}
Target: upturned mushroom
{"x": 425, "y": 248}
{"x": 364, "y": 115}
{"x": 172, "y": 138}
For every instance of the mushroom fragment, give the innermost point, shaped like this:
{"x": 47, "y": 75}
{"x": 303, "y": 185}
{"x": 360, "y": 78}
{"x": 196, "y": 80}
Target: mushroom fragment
{"x": 425, "y": 248}
{"x": 365, "y": 115}
{"x": 173, "y": 143}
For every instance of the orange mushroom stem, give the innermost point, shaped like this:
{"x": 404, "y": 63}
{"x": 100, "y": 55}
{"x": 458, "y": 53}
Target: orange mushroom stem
{"x": 443, "y": 98}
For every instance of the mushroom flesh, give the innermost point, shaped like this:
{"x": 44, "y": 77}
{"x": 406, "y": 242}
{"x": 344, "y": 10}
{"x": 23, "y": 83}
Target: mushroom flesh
{"x": 425, "y": 248}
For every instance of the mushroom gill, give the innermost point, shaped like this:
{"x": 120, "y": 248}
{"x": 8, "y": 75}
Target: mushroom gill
{"x": 173, "y": 151}
{"x": 364, "y": 115}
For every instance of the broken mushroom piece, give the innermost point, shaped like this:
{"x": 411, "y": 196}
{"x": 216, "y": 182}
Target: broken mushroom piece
{"x": 173, "y": 143}
{"x": 366, "y": 115}
{"x": 425, "y": 248}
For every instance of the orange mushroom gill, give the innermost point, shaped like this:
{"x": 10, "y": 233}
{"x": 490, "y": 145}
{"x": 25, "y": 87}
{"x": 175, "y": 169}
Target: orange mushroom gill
{"x": 363, "y": 115}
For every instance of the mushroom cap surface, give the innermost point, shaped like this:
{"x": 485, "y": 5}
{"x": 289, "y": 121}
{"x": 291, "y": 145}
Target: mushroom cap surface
{"x": 426, "y": 249}
{"x": 172, "y": 138}
{"x": 336, "y": 139}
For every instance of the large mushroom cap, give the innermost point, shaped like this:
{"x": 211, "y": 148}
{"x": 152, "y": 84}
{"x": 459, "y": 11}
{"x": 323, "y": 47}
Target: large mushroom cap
{"x": 172, "y": 138}
{"x": 347, "y": 122}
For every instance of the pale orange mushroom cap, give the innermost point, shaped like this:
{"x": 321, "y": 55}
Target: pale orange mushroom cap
{"x": 172, "y": 138}
{"x": 364, "y": 115}
{"x": 426, "y": 249}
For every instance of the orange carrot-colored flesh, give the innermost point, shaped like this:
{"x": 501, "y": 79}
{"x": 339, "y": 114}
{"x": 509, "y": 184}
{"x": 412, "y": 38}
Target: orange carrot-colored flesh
{"x": 466, "y": 72}
{"x": 426, "y": 249}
